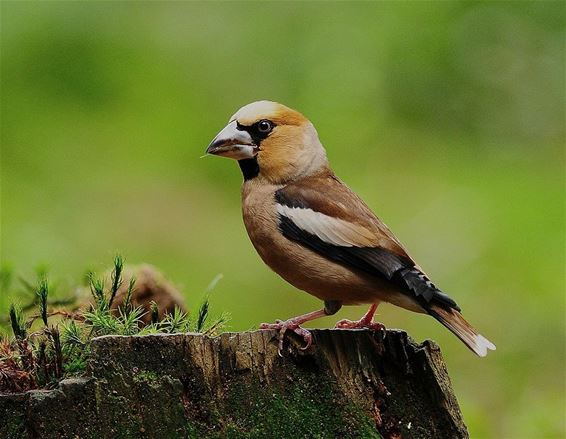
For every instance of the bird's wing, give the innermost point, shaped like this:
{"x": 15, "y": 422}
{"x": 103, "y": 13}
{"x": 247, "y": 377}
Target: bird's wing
{"x": 323, "y": 214}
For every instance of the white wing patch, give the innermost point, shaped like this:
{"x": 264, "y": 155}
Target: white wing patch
{"x": 331, "y": 230}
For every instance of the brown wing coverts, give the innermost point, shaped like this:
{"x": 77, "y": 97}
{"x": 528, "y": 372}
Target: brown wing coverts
{"x": 338, "y": 201}
{"x": 387, "y": 259}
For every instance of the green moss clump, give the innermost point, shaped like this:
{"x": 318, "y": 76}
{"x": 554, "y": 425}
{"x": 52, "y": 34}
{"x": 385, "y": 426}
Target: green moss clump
{"x": 41, "y": 358}
{"x": 146, "y": 376}
{"x": 307, "y": 406}
{"x": 14, "y": 427}
{"x": 304, "y": 409}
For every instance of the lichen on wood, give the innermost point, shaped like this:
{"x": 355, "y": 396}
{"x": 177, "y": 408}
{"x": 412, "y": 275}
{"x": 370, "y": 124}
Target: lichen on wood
{"x": 349, "y": 384}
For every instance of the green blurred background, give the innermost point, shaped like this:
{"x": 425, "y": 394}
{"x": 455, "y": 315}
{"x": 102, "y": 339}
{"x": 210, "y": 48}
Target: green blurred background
{"x": 447, "y": 117}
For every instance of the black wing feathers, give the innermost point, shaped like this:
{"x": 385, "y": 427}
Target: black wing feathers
{"x": 377, "y": 261}
{"x": 372, "y": 260}
{"x": 421, "y": 286}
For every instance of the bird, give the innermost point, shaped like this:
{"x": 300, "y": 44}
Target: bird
{"x": 317, "y": 234}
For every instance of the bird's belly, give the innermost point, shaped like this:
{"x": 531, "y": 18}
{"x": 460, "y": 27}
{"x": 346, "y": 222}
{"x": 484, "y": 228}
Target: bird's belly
{"x": 317, "y": 275}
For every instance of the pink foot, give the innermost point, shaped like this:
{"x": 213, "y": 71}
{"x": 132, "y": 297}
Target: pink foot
{"x": 282, "y": 327}
{"x": 360, "y": 324}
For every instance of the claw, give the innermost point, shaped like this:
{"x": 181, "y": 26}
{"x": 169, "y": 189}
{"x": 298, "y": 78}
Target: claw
{"x": 307, "y": 337}
{"x": 282, "y": 327}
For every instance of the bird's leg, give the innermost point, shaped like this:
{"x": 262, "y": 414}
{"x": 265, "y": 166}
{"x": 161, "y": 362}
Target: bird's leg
{"x": 365, "y": 322}
{"x": 330, "y": 307}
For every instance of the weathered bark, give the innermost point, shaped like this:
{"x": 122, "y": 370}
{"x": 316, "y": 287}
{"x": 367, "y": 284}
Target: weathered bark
{"x": 350, "y": 384}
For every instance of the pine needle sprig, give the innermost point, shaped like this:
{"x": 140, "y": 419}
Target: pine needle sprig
{"x": 202, "y": 314}
{"x": 178, "y": 321}
{"x": 18, "y": 323}
{"x": 116, "y": 278}
{"x": 131, "y": 321}
{"x": 128, "y": 300}
{"x": 102, "y": 322}
{"x": 42, "y": 294}
{"x": 97, "y": 291}
{"x": 71, "y": 334}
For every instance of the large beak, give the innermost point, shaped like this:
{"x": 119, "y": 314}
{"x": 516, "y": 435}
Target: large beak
{"x": 233, "y": 143}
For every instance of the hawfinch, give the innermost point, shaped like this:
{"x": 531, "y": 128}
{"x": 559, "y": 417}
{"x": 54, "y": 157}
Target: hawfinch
{"x": 316, "y": 233}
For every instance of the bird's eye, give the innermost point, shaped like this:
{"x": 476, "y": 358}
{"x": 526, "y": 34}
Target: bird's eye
{"x": 264, "y": 126}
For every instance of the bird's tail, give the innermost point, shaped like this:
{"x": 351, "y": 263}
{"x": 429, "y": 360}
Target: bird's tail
{"x": 454, "y": 321}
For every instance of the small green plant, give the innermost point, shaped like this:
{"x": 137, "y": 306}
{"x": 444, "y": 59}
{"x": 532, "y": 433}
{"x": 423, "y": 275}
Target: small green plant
{"x": 116, "y": 278}
{"x": 19, "y": 326}
{"x": 42, "y": 293}
{"x": 180, "y": 322}
{"x": 41, "y": 358}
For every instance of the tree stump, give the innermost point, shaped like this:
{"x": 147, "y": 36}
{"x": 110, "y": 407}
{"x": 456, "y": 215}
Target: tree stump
{"x": 350, "y": 384}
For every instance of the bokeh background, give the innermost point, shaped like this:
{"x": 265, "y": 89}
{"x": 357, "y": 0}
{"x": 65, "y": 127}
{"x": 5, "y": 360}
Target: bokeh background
{"x": 447, "y": 117}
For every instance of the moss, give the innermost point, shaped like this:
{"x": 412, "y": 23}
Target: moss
{"x": 74, "y": 366}
{"x": 145, "y": 376}
{"x": 12, "y": 416}
{"x": 191, "y": 431}
{"x": 304, "y": 407}
{"x": 14, "y": 428}
{"x": 127, "y": 430}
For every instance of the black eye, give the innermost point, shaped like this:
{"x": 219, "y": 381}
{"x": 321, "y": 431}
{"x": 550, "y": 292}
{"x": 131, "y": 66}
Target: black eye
{"x": 264, "y": 126}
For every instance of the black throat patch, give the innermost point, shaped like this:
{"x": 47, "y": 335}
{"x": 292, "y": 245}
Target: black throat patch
{"x": 249, "y": 167}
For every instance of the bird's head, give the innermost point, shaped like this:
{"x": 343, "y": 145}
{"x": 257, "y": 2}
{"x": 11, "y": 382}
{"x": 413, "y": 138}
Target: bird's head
{"x": 271, "y": 140}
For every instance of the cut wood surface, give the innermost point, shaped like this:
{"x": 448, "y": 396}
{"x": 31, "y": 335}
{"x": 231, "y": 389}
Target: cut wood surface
{"x": 350, "y": 384}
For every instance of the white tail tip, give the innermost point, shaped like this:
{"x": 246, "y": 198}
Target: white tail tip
{"x": 482, "y": 345}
